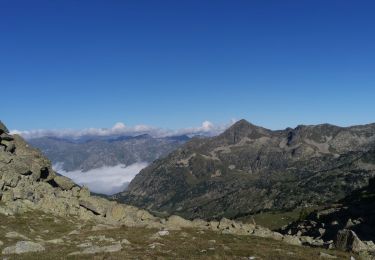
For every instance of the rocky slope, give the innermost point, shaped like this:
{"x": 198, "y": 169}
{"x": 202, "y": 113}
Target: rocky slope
{"x": 93, "y": 152}
{"x": 249, "y": 169}
{"x": 36, "y": 203}
{"x": 347, "y": 223}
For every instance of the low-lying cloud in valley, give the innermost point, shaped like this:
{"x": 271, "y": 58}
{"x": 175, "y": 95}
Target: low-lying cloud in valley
{"x": 207, "y": 128}
{"x": 105, "y": 180}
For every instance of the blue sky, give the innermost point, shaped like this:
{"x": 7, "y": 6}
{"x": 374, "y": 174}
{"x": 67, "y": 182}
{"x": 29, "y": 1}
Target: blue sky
{"x": 174, "y": 64}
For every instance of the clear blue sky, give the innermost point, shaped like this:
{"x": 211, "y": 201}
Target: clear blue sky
{"x": 173, "y": 64}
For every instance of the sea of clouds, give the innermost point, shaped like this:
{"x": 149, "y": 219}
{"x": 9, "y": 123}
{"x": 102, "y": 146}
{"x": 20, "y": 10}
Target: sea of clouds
{"x": 105, "y": 180}
{"x": 207, "y": 128}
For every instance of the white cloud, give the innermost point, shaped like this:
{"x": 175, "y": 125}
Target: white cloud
{"x": 119, "y": 126}
{"x": 206, "y": 128}
{"x": 104, "y": 180}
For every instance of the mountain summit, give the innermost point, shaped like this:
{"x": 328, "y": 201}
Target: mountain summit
{"x": 248, "y": 169}
{"x": 243, "y": 129}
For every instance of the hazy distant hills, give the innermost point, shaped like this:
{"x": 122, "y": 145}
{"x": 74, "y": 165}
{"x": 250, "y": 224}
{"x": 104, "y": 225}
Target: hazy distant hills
{"x": 248, "y": 169}
{"x": 91, "y": 152}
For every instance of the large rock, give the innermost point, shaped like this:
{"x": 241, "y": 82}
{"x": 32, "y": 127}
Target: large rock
{"x": 348, "y": 240}
{"x": 5, "y": 158}
{"x": 7, "y": 143}
{"x": 84, "y": 192}
{"x": 17, "y": 167}
{"x": 6, "y": 137}
{"x": 265, "y": 232}
{"x": 64, "y": 182}
{"x": 3, "y": 128}
{"x": 39, "y": 165}
{"x": 99, "y": 249}
{"x": 292, "y": 240}
{"x": 175, "y": 222}
{"x": 22, "y": 247}
{"x": 97, "y": 205}
{"x": 117, "y": 212}
{"x": 10, "y": 178}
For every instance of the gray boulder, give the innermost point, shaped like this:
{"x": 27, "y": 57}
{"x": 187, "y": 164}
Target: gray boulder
{"x": 10, "y": 179}
{"x": 64, "y": 182}
{"x": 5, "y": 158}
{"x": 6, "y": 137}
{"x": 97, "y": 205}
{"x": 292, "y": 240}
{"x": 7, "y": 146}
{"x": 99, "y": 249}
{"x": 6, "y": 142}
{"x": 348, "y": 240}
{"x": 177, "y": 222}
{"x": 3, "y": 128}
{"x": 328, "y": 256}
{"x": 22, "y": 247}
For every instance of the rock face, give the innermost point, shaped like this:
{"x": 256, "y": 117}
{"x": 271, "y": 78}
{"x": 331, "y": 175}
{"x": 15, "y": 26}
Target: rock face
{"x": 248, "y": 169}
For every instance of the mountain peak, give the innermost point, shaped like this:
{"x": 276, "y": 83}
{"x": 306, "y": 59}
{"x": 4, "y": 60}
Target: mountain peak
{"x": 242, "y": 122}
{"x": 243, "y": 128}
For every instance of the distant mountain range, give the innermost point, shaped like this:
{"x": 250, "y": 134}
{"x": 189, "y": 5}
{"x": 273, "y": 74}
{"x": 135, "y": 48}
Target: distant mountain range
{"x": 91, "y": 152}
{"x": 249, "y": 169}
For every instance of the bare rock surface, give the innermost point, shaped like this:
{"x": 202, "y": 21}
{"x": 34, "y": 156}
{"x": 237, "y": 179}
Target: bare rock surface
{"x": 99, "y": 249}
{"x": 22, "y": 247}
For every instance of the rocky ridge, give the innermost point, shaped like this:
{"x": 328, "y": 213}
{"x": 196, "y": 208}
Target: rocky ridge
{"x": 250, "y": 169}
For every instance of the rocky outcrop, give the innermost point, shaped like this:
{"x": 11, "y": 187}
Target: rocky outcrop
{"x": 348, "y": 240}
{"x": 348, "y": 225}
{"x": 249, "y": 169}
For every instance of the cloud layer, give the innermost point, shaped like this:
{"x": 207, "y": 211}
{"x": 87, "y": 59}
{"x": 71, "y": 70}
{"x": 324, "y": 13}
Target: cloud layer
{"x": 206, "y": 128}
{"x": 104, "y": 180}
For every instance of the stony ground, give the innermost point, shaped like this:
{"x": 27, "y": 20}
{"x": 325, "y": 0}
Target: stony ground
{"x": 71, "y": 238}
